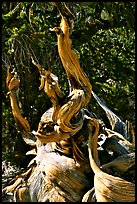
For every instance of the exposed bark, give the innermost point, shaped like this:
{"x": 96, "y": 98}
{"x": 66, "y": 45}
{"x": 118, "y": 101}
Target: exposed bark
{"x": 109, "y": 188}
{"x": 66, "y": 146}
{"x": 13, "y": 82}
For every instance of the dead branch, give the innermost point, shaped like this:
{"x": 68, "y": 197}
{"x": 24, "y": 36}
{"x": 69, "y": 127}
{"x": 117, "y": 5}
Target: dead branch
{"x": 66, "y": 142}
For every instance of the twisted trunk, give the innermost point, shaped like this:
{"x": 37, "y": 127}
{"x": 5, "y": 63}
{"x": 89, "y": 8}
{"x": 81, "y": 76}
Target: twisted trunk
{"x": 67, "y": 152}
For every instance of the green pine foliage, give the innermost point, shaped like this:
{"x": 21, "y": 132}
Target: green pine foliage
{"x": 104, "y": 39}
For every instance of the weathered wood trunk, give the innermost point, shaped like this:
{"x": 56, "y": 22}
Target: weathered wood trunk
{"x": 76, "y": 158}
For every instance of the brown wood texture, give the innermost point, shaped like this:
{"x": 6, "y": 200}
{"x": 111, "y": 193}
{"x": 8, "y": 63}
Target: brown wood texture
{"x": 68, "y": 165}
{"x": 109, "y": 188}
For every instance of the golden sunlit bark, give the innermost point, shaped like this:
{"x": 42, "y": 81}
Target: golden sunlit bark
{"x": 67, "y": 166}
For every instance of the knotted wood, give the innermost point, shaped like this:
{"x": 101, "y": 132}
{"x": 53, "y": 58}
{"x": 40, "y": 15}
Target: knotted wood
{"x": 108, "y": 188}
{"x": 13, "y": 82}
{"x": 68, "y": 165}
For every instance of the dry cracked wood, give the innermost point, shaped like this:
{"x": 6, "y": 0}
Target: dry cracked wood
{"x": 108, "y": 188}
{"x": 51, "y": 87}
{"x": 80, "y": 87}
{"x": 13, "y": 82}
{"x": 61, "y": 171}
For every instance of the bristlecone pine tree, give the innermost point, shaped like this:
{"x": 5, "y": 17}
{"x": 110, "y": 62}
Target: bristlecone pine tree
{"x": 77, "y": 158}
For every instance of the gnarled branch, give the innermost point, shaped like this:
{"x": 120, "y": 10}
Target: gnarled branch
{"x": 13, "y": 82}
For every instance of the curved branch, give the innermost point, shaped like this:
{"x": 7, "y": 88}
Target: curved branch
{"x": 13, "y": 11}
{"x": 13, "y": 82}
{"x": 51, "y": 87}
{"x": 80, "y": 87}
{"x": 68, "y": 110}
{"x": 108, "y": 188}
{"x": 70, "y": 61}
